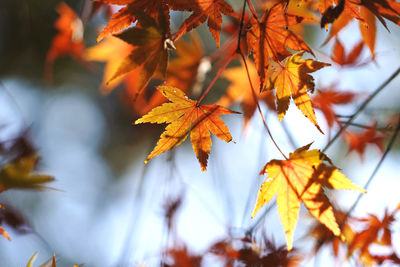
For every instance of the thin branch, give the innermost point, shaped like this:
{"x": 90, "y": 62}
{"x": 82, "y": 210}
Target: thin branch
{"x": 362, "y": 107}
{"x": 388, "y": 148}
{"x": 252, "y": 9}
{"x": 241, "y": 27}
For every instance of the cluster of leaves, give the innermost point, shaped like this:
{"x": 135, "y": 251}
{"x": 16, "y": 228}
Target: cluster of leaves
{"x": 358, "y": 244}
{"x": 266, "y": 38}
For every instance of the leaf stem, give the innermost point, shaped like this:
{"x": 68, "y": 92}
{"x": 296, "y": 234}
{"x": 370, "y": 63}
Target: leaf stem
{"x": 252, "y": 9}
{"x": 216, "y": 78}
{"x": 362, "y": 107}
{"x": 258, "y": 106}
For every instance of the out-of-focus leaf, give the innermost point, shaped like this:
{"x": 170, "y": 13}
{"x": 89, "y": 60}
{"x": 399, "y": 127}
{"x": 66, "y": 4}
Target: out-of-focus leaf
{"x": 18, "y": 175}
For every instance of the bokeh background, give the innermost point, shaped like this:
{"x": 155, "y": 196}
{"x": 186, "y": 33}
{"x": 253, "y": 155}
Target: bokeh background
{"x": 109, "y": 208}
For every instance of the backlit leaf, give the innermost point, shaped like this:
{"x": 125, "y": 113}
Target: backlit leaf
{"x": 301, "y": 178}
{"x": 270, "y": 38}
{"x": 291, "y": 80}
{"x": 184, "y": 115}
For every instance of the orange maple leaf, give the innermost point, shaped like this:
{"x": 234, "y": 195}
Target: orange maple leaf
{"x": 325, "y": 100}
{"x": 291, "y": 80}
{"x": 113, "y": 51}
{"x": 342, "y": 58}
{"x": 69, "y": 39}
{"x": 203, "y": 10}
{"x": 185, "y": 115}
{"x": 301, "y": 178}
{"x": 239, "y": 91}
{"x": 269, "y": 38}
{"x": 152, "y": 42}
{"x": 376, "y": 231}
{"x": 358, "y": 141}
{"x": 366, "y": 12}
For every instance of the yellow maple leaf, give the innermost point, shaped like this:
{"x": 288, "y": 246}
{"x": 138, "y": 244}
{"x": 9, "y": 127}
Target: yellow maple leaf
{"x": 19, "y": 175}
{"x": 185, "y": 115}
{"x": 291, "y": 80}
{"x": 301, "y": 178}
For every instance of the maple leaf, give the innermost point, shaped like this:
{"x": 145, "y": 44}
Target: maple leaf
{"x": 351, "y": 59}
{"x": 113, "y": 51}
{"x": 184, "y": 72}
{"x": 366, "y": 12}
{"x": 292, "y": 80}
{"x": 69, "y": 39}
{"x": 325, "y": 100}
{"x": 18, "y": 175}
{"x": 128, "y": 14}
{"x": 269, "y": 38}
{"x": 376, "y": 231}
{"x": 203, "y": 10}
{"x": 323, "y": 236}
{"x": 152, "y": 42}
{"x": 301, "y": 178}
{"x": 240, "y": 91}
{"x": 358, "y": 141}
{"x": 185, "y": 115}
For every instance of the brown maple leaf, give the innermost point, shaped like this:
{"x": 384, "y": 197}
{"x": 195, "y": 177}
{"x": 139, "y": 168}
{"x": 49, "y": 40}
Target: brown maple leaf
{"x": 270, "y": 38}
{"x": 203, "y": 10}
{"x": 182, "y": 72}
{"x": 151, "y": 42}
{"x": 127, "y": 15}
{"x": 185, "y": 115}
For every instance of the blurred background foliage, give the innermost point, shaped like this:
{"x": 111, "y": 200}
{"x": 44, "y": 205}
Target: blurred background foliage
{"x": 111, "y": 209}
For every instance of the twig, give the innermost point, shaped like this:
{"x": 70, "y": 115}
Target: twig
{"x": 388, "y": 148}
{"x": 362, "y": 107}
